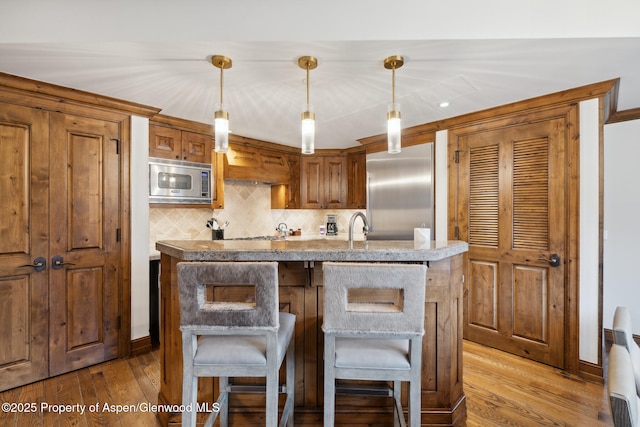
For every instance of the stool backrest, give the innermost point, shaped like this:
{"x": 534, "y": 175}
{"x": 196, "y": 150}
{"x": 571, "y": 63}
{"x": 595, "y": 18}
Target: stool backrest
{"x": 622, "y": 388}
{"x": 622, "y": 327}
{"x": 351, "y": 305}
{"x": 202, "y": 308}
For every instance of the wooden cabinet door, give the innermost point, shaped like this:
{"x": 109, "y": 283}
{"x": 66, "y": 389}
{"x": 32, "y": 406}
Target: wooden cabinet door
{"x": 323, "y": 182}
{"x": 312, "y": 182}
{"x": 292, "y": 189}
{"x": 84, "y": 223}
{"x": 165, "y": 142}
{"x": 357, "y": 182}
{"x": 335, "y": 182}
{"x": 24, "y": 292}
{"x": 196, "y": 147}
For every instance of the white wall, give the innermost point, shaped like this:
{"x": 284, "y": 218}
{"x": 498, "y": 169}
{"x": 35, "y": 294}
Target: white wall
{"x": 589, "y": 230}
{"x": 139, "y": 227}
{"x": 621, "y": 225}
{"x": 441, "y": 185}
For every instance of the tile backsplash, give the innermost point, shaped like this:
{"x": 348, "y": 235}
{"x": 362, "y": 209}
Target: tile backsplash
{"x": 248, "y": 210}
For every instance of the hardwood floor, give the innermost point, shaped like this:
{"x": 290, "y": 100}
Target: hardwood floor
{"x": 501, "y": 390}
{"x": 506, "y": 390}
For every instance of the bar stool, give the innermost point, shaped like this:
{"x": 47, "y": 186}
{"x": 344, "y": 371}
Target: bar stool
{"x": 222, "y": 338}
{"x": 623, "y": 336}
{"x": 621, "y": 387}
{"x": 373, "y": 326}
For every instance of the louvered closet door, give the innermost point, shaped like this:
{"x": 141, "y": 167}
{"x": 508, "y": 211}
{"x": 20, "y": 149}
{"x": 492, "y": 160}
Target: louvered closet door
{"x": 511, "y": 210}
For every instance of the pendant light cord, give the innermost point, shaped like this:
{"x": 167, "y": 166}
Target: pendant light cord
{"x": 221, "y": 85}
{"x": 393, "y": 83}
{"x": 307, "y": 83}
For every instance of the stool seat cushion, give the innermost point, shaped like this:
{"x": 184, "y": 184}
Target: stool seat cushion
{"x": 372, "y": 353}
{"x": 242, "y": 349}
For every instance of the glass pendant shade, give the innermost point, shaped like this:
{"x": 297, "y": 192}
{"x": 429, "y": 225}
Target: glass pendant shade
{"x": 394, "y": 129}
{"x": 221, "y": 125}
{"x": 308, "y": 131}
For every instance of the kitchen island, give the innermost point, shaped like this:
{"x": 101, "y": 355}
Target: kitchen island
{"x": 300, "y": 281}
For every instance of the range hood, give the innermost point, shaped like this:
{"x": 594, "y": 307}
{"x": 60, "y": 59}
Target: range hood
{"x": 247, "y": 163}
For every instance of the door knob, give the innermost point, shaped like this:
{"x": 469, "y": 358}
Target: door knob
{"x": 58, "y": 262}
{"x": 553, "y": 260}
{"x": 39, "y": 264}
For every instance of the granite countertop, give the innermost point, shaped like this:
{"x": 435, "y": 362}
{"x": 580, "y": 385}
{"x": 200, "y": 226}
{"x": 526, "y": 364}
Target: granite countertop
{"x": 310, "y": 250}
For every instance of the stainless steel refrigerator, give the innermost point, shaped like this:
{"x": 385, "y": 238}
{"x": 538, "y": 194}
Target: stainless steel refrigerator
{"x": 400, "y": 192}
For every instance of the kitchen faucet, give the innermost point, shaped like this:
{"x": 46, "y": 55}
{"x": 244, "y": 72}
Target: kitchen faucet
{"x": 365, "y": 227}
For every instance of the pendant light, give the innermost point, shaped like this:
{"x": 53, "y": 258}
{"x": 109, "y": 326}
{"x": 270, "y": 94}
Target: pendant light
{"x": 393, "y": 115}
{"x": 308, "y": 116}
{"x": 221, "y": 116}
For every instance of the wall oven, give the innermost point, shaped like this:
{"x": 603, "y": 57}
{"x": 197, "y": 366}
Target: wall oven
{"x": 179, "y": 182}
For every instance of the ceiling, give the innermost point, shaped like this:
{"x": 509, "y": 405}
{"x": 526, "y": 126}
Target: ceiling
{"x": 264, "y": 91}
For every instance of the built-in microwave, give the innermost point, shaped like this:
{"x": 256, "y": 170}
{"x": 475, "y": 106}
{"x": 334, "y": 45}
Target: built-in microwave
{"x": 179, "y": 182}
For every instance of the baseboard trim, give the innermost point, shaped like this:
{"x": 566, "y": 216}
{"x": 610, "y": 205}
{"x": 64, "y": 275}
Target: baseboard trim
{"x": 591, "y": 372}
{"x": 140, "y": 346}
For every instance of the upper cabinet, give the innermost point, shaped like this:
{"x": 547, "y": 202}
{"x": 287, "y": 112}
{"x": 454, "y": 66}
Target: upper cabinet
{"x": 249, "y": 162}
{"x": 287, "y": 196}
{"x": 327, "y": 180}
{"x": 196, "y": 147}
{"x": 177, "y": 139}
{"x": 357, "y": 186}
{"x": 176, "y": 144}
{"x": 323, "y": 182}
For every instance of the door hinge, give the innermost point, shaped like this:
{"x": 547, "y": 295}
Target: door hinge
{"x": 457, "y": 233}
{"x": 119, "y": 323}
{"x": 456, "y": 155}
{"x": 117, "y": 235}
{"x": 117, "y": 145}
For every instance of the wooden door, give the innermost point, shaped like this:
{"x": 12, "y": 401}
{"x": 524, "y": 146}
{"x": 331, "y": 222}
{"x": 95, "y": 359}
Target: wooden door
{"x": 24, "y": 235}
{"x": 511, "y": 209}
{"x": 84, "y": 229}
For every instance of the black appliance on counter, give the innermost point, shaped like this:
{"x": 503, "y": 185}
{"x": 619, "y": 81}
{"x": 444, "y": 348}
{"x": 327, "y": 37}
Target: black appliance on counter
{"x": 332, "y": 226}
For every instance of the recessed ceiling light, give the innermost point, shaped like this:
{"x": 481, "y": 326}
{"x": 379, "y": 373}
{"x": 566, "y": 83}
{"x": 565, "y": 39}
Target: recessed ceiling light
{"x": 444, "y": 104}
